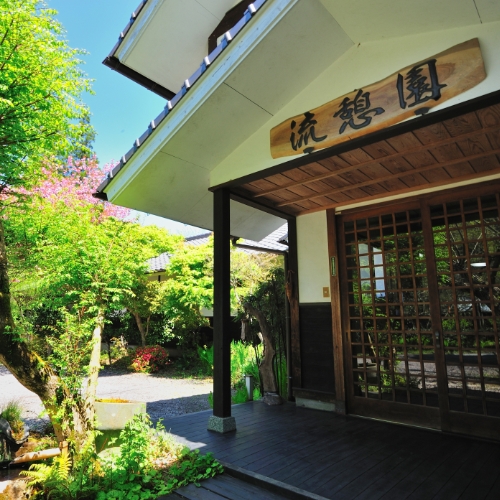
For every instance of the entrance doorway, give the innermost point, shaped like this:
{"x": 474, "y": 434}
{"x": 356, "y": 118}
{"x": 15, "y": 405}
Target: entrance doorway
{"x": 420, "y": 288}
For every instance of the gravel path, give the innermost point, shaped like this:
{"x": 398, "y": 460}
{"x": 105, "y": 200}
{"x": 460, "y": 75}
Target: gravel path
{"x": 165, "y": 397}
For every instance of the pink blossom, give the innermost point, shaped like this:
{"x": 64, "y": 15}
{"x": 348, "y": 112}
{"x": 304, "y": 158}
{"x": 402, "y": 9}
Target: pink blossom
{"x": 74, "y": 185}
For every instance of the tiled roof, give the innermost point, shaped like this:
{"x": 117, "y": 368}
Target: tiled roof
{"x": 273, "y": 241}
{"x": 158, "y": 264}
{"x": 207, "y": 61}
{"x": 200, "y": 239}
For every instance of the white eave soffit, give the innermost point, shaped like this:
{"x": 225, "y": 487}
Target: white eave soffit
{"x": 169, "y": 38}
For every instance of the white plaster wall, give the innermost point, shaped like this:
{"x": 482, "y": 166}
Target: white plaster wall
{"x": 312, "y": 250}
{"x": 361, "y": 65}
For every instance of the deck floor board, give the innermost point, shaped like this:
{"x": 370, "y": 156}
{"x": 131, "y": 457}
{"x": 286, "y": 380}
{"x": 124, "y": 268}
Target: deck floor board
{"x": 342, "y": 457}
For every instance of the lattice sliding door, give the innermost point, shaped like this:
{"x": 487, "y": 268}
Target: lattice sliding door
{"x": 421, "y": 312}
{"x": 466, "y": 237}
{"x": 389, "y": 325}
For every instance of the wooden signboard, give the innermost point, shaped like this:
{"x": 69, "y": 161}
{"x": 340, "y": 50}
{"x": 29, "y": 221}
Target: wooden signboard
{"x": 411, "y": 91}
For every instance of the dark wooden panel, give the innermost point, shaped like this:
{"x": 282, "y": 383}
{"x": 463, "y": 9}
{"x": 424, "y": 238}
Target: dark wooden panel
{"x": 316, "y": 345}
{"x": 293, "y": 299}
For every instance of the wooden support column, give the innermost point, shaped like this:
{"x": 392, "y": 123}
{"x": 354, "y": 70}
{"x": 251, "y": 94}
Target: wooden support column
{"x": 221, "y": 420}
{"x": 293, "y": 295}
{"x": 338, "y": 350}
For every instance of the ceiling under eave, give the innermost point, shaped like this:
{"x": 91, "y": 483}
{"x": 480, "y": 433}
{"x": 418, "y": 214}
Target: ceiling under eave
{"x": 454, "y": 151}
{"x": 169, "y": 38}
{"x": 169, "y": 175}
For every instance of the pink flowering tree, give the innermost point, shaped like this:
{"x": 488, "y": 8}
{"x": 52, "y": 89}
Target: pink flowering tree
{"x": 73, "y": 184}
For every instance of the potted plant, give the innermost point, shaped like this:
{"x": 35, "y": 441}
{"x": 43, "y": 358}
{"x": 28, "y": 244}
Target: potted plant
{"x": 114, "y": 413}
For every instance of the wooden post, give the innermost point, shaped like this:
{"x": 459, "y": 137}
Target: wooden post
{"x": 338, "y": 350}
{"x": 221, "y": 420}
{"x": 294, "y": 303}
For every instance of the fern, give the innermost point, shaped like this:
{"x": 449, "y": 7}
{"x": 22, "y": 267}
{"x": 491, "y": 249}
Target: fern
{"x": 51, "y": 478}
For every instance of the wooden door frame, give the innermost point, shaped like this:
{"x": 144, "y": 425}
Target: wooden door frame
{"x": 335, "y": 297}
{"x": 411, "y": 414}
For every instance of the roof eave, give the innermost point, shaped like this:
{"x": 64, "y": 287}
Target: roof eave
{"x": 114, "y": 63}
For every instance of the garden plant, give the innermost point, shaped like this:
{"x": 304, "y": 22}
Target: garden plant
{"x": 147, "y": 464}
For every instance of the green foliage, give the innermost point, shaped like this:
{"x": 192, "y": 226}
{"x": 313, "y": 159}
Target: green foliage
{"x": 71, "y": 260}
{"x": 188, "y": 289}
{"x": 52, "y": 478}
{"x": 193, "y": 468}
{"x": 67, "y": 479}
{"x": 40, "y": 87}
{"x": 256, "y": 393}
{"x": 243, "y": 362}
{"x": 269, "y": 298}
{"x": 206, "y": 355}
{"x": 78, "y": 258}
{"x": 240, "y": 396}
{"x": 149, "y": 463}
{"x": 12, "y": 412}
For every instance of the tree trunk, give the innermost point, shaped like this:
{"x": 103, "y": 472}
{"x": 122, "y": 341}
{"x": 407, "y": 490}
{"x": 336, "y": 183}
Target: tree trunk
{"x": 140, "y": 325}
{"x": 266, "y": 366}
{"x": 26, "y": 366}
{"x": 94, "y": 367}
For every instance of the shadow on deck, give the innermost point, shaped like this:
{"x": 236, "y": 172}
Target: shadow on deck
{"x": 347, "y": 457}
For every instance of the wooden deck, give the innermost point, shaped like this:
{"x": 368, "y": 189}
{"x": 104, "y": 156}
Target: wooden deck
{"x": 348, "y": 457}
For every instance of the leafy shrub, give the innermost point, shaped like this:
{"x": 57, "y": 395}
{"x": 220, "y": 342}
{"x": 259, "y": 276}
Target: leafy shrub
{"x": 206, "y": 355}
{"x": 256, "y": 393}
{"x": 12, "y": 412}
{"x": 149, "y": 464}
{"x": 241, "y": 395}
{"x": 243, "y": 363}
{"x": 149, "y": 359}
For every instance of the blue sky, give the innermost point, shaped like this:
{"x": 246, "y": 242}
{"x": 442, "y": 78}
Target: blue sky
{"x": 121, "y": 109}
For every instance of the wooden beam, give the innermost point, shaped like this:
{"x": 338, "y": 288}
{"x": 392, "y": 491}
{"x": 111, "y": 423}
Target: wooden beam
{"x": 383, "y": 178}
{"x": 244, "y": 200}
{"x": 414, "y": 190}
{"x": 338, "y": 344}
{"x": 222, "y": 305}
{"x": 435, "y": 312}
{"x": 376, "y": 161}
{"x": 293, "y": 294}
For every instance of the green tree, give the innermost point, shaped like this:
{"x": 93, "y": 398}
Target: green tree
{"x": 40, "y": 108}
{"x": 67, "y": 256}
{"x": 189, "y": 288}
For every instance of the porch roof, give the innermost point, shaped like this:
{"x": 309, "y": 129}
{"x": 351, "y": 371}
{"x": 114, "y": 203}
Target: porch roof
{"x": 347, "y": 457}
{"x": 247, "y": 84}
{"x": 411, "y": 158}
